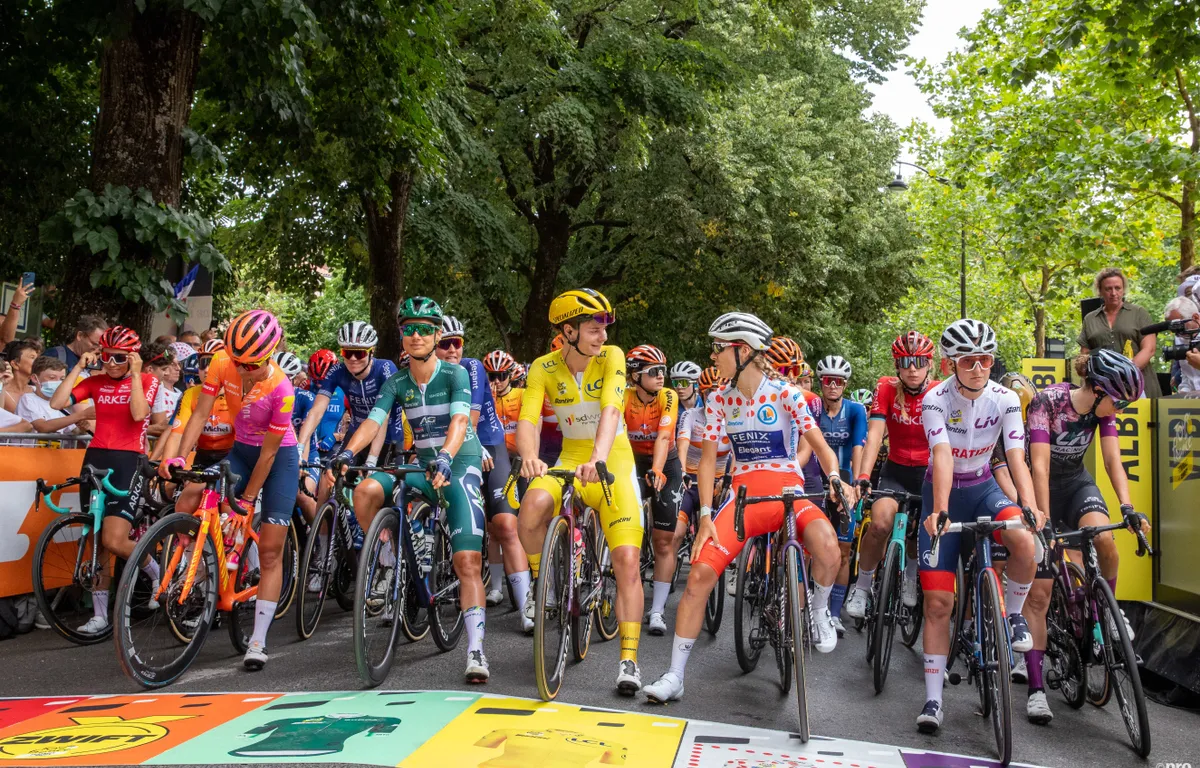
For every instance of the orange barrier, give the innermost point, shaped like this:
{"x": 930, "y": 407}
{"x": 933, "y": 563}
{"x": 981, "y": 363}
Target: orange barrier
{"x": 20, "y": 525}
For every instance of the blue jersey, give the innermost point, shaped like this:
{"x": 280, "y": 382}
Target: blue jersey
{"x": 844, "y": 432}
{"x": 488, "y": 429}
{"x": 362, "y": 393}
{"x": 323, "y": 438}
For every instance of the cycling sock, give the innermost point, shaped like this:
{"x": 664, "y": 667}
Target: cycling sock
{"x": 679, "y": 654}
{"x": 630, "y": 631}
{"x": 864, "y": 579}
{"x": 836, "y": 598}
{"x": 151, "y": 570}
{"x": 1033, "y": 665}
{"x": 1014, "y": 595}
{"x": 100, "y": 603}
{"x": 264, "y": 614}
{"x": 497, "y": 570}
{"x": 935, "y": 672}
{"x": 821, "y": 597}
{"x": 520, "y": 585}
{"x": 535, "y": 562}
{"x": 473, "y": 619}
{"x": 661, "y": 590}
{"x": 1112, "y": 584}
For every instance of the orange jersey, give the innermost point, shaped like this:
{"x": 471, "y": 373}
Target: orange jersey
{"x": 218, "y": 429}
{"x": 508, "y": 408}
{"x": 646, "y": 421}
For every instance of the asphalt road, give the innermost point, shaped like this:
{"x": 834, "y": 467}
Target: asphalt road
{"x": 842, "y": 702}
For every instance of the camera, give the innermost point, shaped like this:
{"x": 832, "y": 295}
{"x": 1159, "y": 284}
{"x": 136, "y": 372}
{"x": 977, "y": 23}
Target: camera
{"x": 1179, "y": 351}
{"x": 1179, "y": 328}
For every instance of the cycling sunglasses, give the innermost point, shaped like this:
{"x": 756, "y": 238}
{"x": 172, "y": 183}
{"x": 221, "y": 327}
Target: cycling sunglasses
{"x": 204, "y": 361}
{"x": 912, "y": 361}
{"x": 655, "y": 370}
{"x": 117, "y": 359}
{"x": 418, "y": 329}
{"x": 788, "y": 371}
{"x": 1120, "y": 405}
{"x": 972, "y": 362}
{"x": 252, "y": 366}
{"x": 720, "y": 346}
{"x": 356, "y": 354}
{"x": 681, "y": 383}
{"x": 497, "y": 375}
{"x": 604, "y": 318}
{"x": 832, "y": 381}
{"x": 448, "y": 344}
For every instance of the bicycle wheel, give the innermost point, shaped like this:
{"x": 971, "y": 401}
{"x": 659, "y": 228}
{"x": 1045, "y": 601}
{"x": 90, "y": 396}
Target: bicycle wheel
{"x": 62, "y": 578}
{"x": 783, "y": 630}
{"x": 148, "y": 648}
{"x": 1121, "y": 662}
{"x": 958, "y": 615}
{"x": 647, "y": 558}
{"x": 883, "y": 629}
{"x": 606, "y": 607}
{"x": 912, "y": 619}
{"x": 378, "y": 598}
{"x": 748, "y": 605}
{"x": 550, "y": 624}
{"x": 795, "y": 633}
{"x": 240, "y": 620}
{"x": 1065, "y": 670}
{"x": 445, "y": 614}
{"x": 317, "y": 567}
{"x": 996, "y": 665}
{"x": 586, "y": 580}
{"x": 291, "y": 572}
{"x": 715, "y": 607}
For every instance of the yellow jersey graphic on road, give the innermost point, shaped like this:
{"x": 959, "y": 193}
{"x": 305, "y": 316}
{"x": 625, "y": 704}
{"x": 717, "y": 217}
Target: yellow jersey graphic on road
{"x": 553, "y": 746}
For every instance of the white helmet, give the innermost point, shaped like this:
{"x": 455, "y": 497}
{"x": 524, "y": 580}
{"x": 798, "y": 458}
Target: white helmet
{"x": 288, "y": 363}
{"x": 357, "y": 335}
{"x": 686, "y": 370}
{"x": 967, "y": 337}
{"x": 833, "y": 365}
{"x": 744, "y": 327}
{"x": 452, "y": 328}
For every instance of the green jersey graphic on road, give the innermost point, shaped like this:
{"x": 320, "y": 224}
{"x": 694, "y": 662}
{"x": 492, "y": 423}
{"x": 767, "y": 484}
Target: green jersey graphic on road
{"x": 312, "y": 736}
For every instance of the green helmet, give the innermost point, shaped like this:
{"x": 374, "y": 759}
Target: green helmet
{"x": 420, "y": 308}
{"x": 864, "y": 396}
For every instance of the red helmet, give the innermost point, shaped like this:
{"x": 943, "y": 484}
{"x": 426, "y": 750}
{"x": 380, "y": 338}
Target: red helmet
{"x": 498, "y": 361}
{"x": 710, "y": 379}
{"x": 253, "y": 336}
{"x": 643, "y": 357}
{"x": 912, "y": 344}
{"x": 784, "y": 352}
{"x": 212, "y": 347}
{"x": 320, "y": 363}
{"x": 120, "y": 338}
{"x": 518, "y": 372}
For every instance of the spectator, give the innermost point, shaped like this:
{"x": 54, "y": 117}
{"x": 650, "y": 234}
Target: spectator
{"x": 166, "y": 338}
{"x": 1116, "y": 325}
{"x": 86, "y": 338}
{"x": 210, "y": 334}
{"x": 1187, "y": 288}
{"x": 12, "y": 315}
{"x": 160, "y": 363}
{"x": 20, "y": 355}
{"x": 34, "y": 407}
{"x": 192, "y": 339}
{"x": 1183, "y": 308}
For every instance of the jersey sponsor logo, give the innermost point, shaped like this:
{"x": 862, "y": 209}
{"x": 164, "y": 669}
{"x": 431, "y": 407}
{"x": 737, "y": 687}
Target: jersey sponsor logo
{"x": 121, "y": 399}
{"x": 563, "y": 400}
{"x": 988, "y": 422}
{"x": 957, "y": 430}
{"x": 410, "y": 396}
{"x": 1013, "y": 409}
{"x": 755, "y": 445}
{"x": 736, "y": 413}
{"x": 287, "y": 404}
{"x": 928, "y": 406}
{"x": 1015, "y": 435}
{"x": 593, "y": 388}
{"x": 562, "y": 388}
{"x": 88, "y": 736}
{"x": 664, "y": 421}
{"x": 936, "y": 432}
{"x": 955, "y": 416}
{"x": 549, "y": 365}
{"x": 963, "y": 453}
{"x": 767, "y": 415}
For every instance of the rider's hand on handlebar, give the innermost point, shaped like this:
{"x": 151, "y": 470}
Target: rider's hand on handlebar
{"x": 1134, "y": 520}
{"x": 587, "y": 472}
{"x": 531, "y": 468}
{"x": 1039, "y": 516}
{"x": 930, "y": 523}
{"x": 164, "y": 467}
{"x": 656, "y": 479}
{"x": 706, "y": 530}
{"x": 864, "y": 486}
{"x": 440, "y": 470}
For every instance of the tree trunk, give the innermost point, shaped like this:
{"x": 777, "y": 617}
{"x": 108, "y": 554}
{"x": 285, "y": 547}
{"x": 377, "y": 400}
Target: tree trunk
{"x": 147, "y": 80}
{"x": 1187, "y": 233}
{"x": 554, "y": 238}
{"x": 385, "y": 246}
{"x": 1039, "y": 313}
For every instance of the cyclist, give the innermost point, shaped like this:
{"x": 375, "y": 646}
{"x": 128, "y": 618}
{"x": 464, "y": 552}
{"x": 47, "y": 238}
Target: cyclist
{"x": 844, "y": 425}
{"x": 689, "y": 442}
{"x": 896, "y": 410}
{"x": 264, "y": 454}
{"x": 684, "y": 376}
{"x": 1063, "y": 420}
{"x": 764, "y": 418}
{"x": 651, "y": 412}
{"x": 518, "y": 375}
{"x": 964, "y": 417}
{"x": 216, "y": 438}
{"x": 505, "y": 551}
{"x": 863, "y": 397}
{"x": 551, "y": 441}
{"x": 122, "y": 396}
{"x": 804, "y": 379}
{"x": 586, "y": 380}
{"x": 500, "y": 367}
{"x": 436, "y": 396}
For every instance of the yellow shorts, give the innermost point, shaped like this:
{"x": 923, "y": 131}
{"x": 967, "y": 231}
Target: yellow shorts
{"x": 622, "y": 521}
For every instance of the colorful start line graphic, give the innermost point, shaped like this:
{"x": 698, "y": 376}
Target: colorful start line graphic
{"x": 414, "y": 729}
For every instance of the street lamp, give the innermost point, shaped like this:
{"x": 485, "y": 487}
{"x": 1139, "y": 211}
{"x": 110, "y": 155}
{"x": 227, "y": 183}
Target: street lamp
{"x": 898, "y": 185}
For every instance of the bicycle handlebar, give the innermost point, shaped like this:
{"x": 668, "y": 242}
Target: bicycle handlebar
{"x": 89, "y": 475}
{"x": 787, "y": 497}
{"x": 1092, "y": 531}
{"x": 221, "y": 474}
{"x": 566, "y": 475}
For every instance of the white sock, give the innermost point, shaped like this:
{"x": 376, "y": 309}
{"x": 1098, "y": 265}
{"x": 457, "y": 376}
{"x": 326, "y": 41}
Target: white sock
{"x": 100, "y": 603}
{"x": 864, "y": 579}
{"x": 1014, "y": 596}
{"x": 387, "y": 557}
{"x": 520, "y": 583}
{"x": 661, "y": 590}
{"x": 473, "y": 619}
{"x": 679, "y": 654}
{"x": 264, "y": 614}
{"x": 152, "y": 570}
{"x": 497, "y": 570}
{"x": 821, "y": 598}
{"x": 935, "y": 673}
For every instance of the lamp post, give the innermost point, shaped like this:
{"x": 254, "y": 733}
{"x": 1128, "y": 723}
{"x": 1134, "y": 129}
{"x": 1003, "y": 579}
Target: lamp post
{"x": 898, "y": 185}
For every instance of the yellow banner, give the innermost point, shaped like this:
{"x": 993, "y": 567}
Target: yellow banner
{"x": 1043, "y": 372}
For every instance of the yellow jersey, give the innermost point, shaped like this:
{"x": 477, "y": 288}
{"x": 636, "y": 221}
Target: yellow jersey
{"x": 552, "y": 746}
{"x": 576, "y": 402}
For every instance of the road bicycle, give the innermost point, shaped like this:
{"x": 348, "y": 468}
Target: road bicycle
{"x": 886, "y": 610}
{"x": 329, "y": 562}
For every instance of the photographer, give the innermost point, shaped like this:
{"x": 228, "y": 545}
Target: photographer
{"x": 1187, "y": 347}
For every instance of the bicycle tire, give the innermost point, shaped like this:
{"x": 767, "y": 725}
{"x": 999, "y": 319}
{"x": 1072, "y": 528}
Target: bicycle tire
{"x": 550, "y": 628}
{"x": 319, "y": 562}
{"x": 135, "y": 657}
{"x": 996, "y": 667}
{"x": 445, "y": 613}
{"x": 1066, "y": 671}
{"x": 51, "y": 599}
{"x": 583, "y": 615}
{"x": 797, "y": 621}
{"x": 606, "y": 622}
{"x": 715, "y": 606}
{"x": 910, "y": 627}
{"x": 782, "y": 644}
{"x": 240, "y": 620}
{"x": 958, "y": 615}
{"x": 751, "y": 570}
{"x": 291, "y": 572}
{"x": 883, "y": 629}
{"x": 373, "y": 656}
{"x": 1121, "y": 661}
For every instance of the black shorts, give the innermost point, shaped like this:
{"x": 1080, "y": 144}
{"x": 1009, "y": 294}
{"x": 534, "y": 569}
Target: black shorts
{"x": 664, "y": 505}
{"x": 205, "y": 459}
{"x": 124, "y": 466}
{"x": 494, "y": 480}
{"x": 898, "y": 477}
{"x": 1072, "y": 498}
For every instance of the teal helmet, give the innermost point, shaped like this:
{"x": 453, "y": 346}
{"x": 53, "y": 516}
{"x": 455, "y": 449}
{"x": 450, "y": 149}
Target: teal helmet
{"x": 420, "y": 308}
{"x": 864, "y": 396}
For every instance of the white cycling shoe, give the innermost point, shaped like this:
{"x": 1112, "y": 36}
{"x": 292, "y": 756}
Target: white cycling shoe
{"x": 824, "y": 633}
{"x": 629, "y": 678}
{"x": 669, "y": 687}
{"x": 494, "y": 598}
{"x": 1038, "y": 709}
{"x": 856, "y": 604}
{"x": 658, "y": 625}
{"x": 94, "y": 626}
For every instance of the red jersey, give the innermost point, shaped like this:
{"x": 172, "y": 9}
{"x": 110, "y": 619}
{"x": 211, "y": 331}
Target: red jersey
{"x": 115, "y": 428}
{"x": 906, "y": 435}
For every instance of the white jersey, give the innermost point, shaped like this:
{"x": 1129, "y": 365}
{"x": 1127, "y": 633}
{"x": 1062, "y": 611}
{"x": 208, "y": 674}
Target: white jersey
{"x": 972, "y": 427}
{"x": 691, "y": 428}
{"x": 763, "y": 430}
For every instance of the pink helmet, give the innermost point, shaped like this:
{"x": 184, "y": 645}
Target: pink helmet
{"x": 253, "y": 336}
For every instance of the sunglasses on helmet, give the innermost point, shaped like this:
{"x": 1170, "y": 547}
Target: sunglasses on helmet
{"x": 418, "y": 329}
{"x": 449, "y": 344}
{"x": 356, "y": 354}
{"x": 912, "y": 361}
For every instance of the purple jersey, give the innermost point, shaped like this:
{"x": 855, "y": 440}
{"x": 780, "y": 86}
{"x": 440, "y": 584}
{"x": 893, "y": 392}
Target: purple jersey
{"x": 1054, "y": 421}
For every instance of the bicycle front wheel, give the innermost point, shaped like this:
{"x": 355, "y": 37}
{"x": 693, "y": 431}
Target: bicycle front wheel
{"x": 748, "y": 605}
{"x": 1063, "y": 651}
{"x": 63, "y": 581}
{"x": 378, "y": 600}
{"x": 551, "y": 631}
{"x": 715, "y": 607}
{"x": 996, "y": 665}
{"x": 445, "y": 614}
{"x": 911, "y": 619}
{"x": 883, "y": 628}
{"x": 1121, "y": 662}
{"x": 317, "y": 566}
{"x": 149, "y": 625}
{"x": 606, "y": 607}
{"x": 783, "y": 628}
{"x": 796, "y": 624}
{"x": 587, "y": 580}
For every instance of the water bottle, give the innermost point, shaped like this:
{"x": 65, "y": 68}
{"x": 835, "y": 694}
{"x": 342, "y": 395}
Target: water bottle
{"x": 422, "y": 546}
{"x": 577, "y": 548}
{"x": 1097, "y": 641}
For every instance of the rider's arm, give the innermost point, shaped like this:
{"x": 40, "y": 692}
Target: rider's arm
{"x": 140, "y": 399}
{"x": 379, "y": 440}
{"x": 933, "y": 418}
{"x": 316, "y": 412}
{"x": 612, "y": 404}
{"x": 460, "y": 412}
{"x": 858, "y": 438}
{"x": 366, "y": 432}
{"x": 1039, "y": 455}
{"x": 530, "y": 417}
{"x": 77, "y": 392}
{"x": 1012, "y": 427}
{"x": 707, "y": 472}
{"x": 1110, "y": 449}
{"x": 825, "y": 455}
{"x": 870, "y": 454}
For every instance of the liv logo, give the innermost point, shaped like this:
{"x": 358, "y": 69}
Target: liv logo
{"x": 985, "y": 423}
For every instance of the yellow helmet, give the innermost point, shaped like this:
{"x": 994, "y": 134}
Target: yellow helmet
{"x": 1024, "y": 388}
{"x": 580, "y": 303}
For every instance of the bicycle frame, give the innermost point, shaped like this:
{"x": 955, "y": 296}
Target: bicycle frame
{"x": 100, "y": 489}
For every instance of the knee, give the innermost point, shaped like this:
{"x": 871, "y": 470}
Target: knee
{"x": 700, "y": 581}
{"x": 268, "y": 557}
{"x": 881, "y": 522}
{"x": 468, "y": 565}
{"x": 663, "y": 543}
{"x": 1019, "y": 545}
{"x": 504, "y": 527}
{"x": 937, "y": 605}
{"x": 368, "y": 494}
{"x": 112, "y": 539}
{"x": 1038, "y": 600}
{"x": 1106, "y": 547}
{"x": 824, "y": 546}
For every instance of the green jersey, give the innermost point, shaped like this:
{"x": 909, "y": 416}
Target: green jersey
{"x": 312, "y": 736}
{"x": 430, "y": 407}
